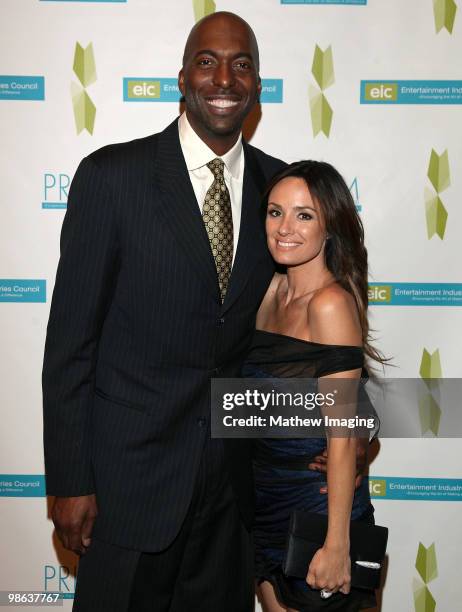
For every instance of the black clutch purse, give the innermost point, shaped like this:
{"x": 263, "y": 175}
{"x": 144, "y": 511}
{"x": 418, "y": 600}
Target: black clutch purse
{"x": 307, "y": 532}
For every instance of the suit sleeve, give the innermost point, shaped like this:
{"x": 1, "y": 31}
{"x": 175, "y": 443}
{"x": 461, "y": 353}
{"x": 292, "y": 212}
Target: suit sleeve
{"x": 85, "y": 279}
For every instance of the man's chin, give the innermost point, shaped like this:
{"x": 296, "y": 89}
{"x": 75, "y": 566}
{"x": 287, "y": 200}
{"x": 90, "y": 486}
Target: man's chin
{"x": 225, "y": 130}
{"x": 224, "y": 127}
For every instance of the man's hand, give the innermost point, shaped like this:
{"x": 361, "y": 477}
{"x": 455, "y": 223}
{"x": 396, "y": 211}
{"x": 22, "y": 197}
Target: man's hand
{"x": 319, "y": 463}
{"x": 73, "y": 518}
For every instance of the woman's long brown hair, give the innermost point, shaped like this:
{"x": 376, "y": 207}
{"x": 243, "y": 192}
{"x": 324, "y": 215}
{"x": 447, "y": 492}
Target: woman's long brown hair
{"x": 346, "y": 255}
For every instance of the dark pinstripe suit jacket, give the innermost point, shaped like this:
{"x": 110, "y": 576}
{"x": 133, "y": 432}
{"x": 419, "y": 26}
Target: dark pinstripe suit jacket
{"x": 137, "y": 330}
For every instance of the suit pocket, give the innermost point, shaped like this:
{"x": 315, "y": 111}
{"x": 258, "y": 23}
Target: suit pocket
{"x": 122, "y": 402}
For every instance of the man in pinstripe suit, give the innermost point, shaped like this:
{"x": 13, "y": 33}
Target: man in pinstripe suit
{"x": 140, "y": 321}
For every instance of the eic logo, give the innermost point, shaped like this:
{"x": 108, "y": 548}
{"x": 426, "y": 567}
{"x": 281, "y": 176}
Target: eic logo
{"x": 379, "y": 293}
{"x": 143, "y": 89}
{"x": 411, "y": 92}
{"x": 139, "y": 89}
{"x": 381, "y": 92}
{"x": 377, "y": 488}
{"x": 55, "y": 190}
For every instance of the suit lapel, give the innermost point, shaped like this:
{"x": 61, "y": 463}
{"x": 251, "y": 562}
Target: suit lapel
{"x": 252, "y": 243}
{"x": 179, "y": 207}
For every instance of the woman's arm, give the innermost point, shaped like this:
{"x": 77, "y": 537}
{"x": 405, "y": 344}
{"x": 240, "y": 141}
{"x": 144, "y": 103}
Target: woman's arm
{"x": 331, "y": 566}
{"x": 333, "y": 320}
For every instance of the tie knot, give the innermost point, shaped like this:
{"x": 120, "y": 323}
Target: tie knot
{"x": 217, "y": 166}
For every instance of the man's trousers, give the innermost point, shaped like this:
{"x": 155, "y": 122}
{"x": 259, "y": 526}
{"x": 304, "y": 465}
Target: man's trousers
{"x": 207, "y": 568}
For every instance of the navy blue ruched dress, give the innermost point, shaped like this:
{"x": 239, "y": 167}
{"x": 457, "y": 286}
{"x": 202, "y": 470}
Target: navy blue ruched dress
{"x": 282, "y": 478}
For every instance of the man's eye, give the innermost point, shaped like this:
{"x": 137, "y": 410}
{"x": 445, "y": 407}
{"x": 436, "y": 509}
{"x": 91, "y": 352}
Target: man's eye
{"x": 243, "y": 65}
{"x": 205, "y": 61}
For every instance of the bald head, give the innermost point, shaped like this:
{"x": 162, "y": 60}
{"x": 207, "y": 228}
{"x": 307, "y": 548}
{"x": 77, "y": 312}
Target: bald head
{"x": 219, "y": 78}
{"x": 220, "y": 20}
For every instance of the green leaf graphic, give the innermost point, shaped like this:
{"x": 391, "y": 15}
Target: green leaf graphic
{"x": 84, "y": 64}
{"x": 202, "y": 8}
{"x": 430, "y": 366}
{"x": 84, "y": 109}
{"x": 438, "y": 171}
{"x": 425, "y": 563}
{"x": 323, "y": 67}
{"x": 430, "y": 415}
{"x": 423, "y": 599}
{"x": 436, "y": 215}
{"x": 321, "y": 112}
{"x": 445, "y": 14}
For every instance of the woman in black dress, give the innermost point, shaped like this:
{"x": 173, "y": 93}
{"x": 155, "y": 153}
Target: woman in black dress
{"x": 312, "y": 323}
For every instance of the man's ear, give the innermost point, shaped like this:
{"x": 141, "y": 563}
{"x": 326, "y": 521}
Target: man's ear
{"x": 258, "y": 89}
{"x": 181, "y": 81}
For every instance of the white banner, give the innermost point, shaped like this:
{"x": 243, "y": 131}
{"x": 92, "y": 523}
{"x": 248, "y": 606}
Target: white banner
{"x": 370, "y": 86}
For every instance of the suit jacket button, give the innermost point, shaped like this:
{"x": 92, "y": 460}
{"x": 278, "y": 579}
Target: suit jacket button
{"x": 221, "y": 321}
{"x": 202, "y": 421}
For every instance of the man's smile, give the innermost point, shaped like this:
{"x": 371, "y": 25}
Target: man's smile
{"x": 222, "y": 102}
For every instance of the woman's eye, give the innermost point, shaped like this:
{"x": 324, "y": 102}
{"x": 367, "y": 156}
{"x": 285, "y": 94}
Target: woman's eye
{"x": 305, "y": 216}
{"x": 273, "y": 212}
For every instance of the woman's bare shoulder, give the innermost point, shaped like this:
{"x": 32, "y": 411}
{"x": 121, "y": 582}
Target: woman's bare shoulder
{"x": 333, "y": 317}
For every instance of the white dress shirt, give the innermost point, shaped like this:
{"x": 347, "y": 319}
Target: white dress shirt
{"x": 197, "y": 155}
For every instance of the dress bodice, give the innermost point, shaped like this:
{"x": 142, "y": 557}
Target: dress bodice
{"x": 280, "y": 356}
{"x": 288, "y": 357}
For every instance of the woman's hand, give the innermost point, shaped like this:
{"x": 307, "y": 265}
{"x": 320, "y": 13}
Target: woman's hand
{"x": 330, "y": 569}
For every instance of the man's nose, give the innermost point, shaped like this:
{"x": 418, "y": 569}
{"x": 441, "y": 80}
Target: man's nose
{"x": 223, "y": 76}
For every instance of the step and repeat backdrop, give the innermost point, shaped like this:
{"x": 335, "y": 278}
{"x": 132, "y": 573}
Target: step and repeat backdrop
{"x": 372, "y": 86}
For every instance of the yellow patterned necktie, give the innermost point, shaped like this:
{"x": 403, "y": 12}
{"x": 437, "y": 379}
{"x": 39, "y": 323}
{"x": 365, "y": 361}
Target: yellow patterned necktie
{"x": 218, "y": 220}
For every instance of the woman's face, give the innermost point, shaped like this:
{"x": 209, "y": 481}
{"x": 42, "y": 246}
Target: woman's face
{"x": 294, "y": 224}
